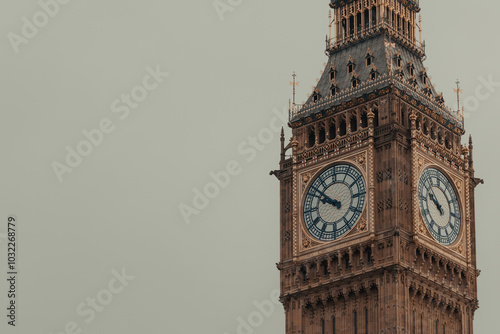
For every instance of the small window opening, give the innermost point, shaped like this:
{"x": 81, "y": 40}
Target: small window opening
{"x": 413, "y": 328}
{"x": 369, "y": 255}
{"x": 312, "y": 138}
{"x": 343, "y": 128}
{"x": 333, "y": 90}
{"x": 366, "y": 321}
{"x": 355, "y": 322}
{"x": 364, "y": 120}
{"x": 322, "y": 135}
{"x": 354, "y": 124}
{"x": 373, "y": 76}
{"x": 304, "y": 273}
{"x": 324, "y": 264}
{"x": 332, "y": 131}
{"x": 346, "y": 261}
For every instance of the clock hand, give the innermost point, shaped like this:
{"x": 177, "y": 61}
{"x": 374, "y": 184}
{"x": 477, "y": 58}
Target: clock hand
{"x": 331, "y": 201}
{"x": 328, "y": 199}
{"x": 439, "y": 206}
{"x": 435, "y": 200}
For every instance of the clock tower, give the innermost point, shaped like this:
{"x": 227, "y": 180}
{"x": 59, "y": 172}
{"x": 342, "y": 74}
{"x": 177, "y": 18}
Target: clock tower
{"x": 377, "y": 227}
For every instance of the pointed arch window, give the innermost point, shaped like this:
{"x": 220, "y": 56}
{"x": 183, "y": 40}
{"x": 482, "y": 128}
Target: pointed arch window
{"x": 351, "y": 66}
{"x": 373, "y": 73}
{"x": 334, "y": 89}
{"x": 411, "y": 68}
{"x": 333, "y": 73}
{"x": 322, "y": 134}
{"x": 311, "y": 137}
{"x": 353, "y": 123}
{"x": 398, "y": 60}
{"x": 332, "y": 131}
{"x": 369, "y": 58}
{"x": 343, "y": 132}
{"x": 424, "y": 77}
{"x": 355, "y": 80}
{"x": 364, "y": 123}
{"x": 316, "y": 96}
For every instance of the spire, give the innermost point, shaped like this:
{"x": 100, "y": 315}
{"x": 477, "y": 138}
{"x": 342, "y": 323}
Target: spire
{"x": 459, "y": 91}
{"x": 471, "y": 159}
{"x": 282, "y": 144}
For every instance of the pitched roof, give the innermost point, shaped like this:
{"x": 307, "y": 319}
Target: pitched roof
{"x": 384, "y": 53}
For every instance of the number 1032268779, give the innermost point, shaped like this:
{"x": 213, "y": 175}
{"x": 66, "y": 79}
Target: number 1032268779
{"x": 11, "y": 245}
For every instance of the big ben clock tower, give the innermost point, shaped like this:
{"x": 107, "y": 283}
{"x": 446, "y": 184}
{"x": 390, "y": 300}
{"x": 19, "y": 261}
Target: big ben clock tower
{"x": 377, "y": 226}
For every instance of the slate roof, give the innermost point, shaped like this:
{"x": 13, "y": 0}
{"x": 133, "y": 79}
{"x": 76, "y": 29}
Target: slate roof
{"x": 384, "y": 52}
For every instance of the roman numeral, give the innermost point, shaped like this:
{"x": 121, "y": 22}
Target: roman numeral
{"x": 355, "y": 181}
{"x": 311, "y": 210}
{"x": 353, "y": 209}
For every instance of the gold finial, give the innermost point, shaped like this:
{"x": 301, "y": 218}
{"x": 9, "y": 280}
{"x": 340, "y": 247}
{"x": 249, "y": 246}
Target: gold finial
{"x": 294, "y": 83}
{"x": 458, "y": 91}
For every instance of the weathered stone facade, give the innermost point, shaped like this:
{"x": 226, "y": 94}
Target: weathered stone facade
{"x": 388, "y": 274}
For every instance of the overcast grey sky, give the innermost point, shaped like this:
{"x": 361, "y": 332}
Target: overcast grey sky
{"x": 119, "y": 206}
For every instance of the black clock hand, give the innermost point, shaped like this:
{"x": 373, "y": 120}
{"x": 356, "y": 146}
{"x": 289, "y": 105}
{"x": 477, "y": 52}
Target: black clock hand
{"x": 434, "y": 199}
{"x": 329, "y": 200}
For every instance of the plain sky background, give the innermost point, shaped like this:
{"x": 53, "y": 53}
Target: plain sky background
{"x": 120, "y": 207}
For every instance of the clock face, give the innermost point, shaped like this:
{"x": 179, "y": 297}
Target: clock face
{"x": 439, "y": 206}
{"x": 334, "y": 202}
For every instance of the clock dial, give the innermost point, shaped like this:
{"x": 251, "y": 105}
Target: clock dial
{"x": 439, "y": 206}
{"x": 334, "y": 202}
